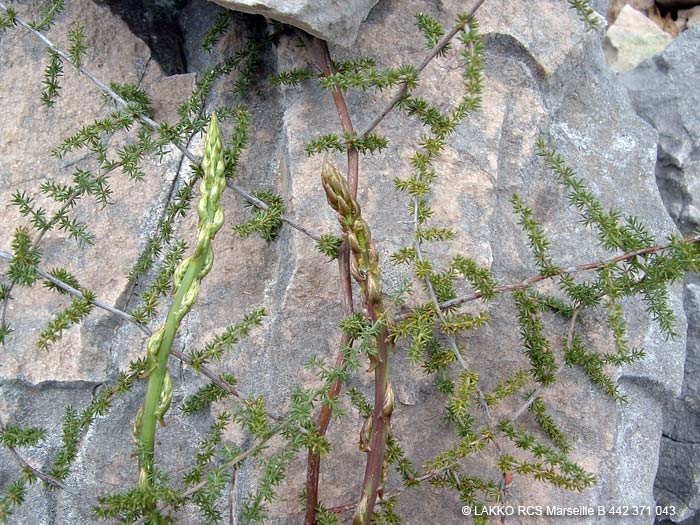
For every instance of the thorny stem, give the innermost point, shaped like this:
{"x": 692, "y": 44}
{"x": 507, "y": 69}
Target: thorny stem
{"x": 77, "y": 293}
{"x": 563, "y": 271}
{"x": 516, "y": 415}
{"x": 322, "y": 54}
{"x": 49, "y": 480}
{"x": 435, "y": 51}
{"x": 260, "y": 204}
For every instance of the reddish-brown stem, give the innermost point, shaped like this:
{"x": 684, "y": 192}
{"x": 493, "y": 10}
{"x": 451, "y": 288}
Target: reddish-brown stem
{"x": 344, "y": 115}
{"x": 345, "y": 280}
{"x": 372, "y": 481}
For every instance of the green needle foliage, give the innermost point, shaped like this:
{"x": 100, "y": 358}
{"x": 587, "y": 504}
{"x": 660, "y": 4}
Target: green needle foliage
{"x": 53, "y": 71}
{"x": 425, "y": 319}
{"x": 265, "y": 222}
{"x": 25, "y": 258}
{"x": 77, "y": 49}
{"x": 76, "y": 312}
{"x": 48, "y": 12}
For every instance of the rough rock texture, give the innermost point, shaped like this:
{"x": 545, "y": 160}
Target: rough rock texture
{"x": 663, "y": 90}
{"x": 336, "y": 22}
{"x": 633, "y": 38}
{"x": 543, "y": 74}
{"x": 677, "y": 481}
{"x": 156, "y": 23}
{"x": 615, "y": 6}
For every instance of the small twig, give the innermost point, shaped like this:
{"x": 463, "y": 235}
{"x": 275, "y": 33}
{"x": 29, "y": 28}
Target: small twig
{"x": 435, "y": 51}
{"x": 46, "y": 478}
{"x": 260, "y": 204}
{"x": 68, "y": 204}
{"x": 564, "y": 271}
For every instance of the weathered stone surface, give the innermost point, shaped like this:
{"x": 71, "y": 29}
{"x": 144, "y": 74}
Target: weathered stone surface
{"x": 336, "y": 22}
{"x": 688, "y": 17}
{"x": 156, "y": 23}
{"x": 664, "y": 92}
{"x": 615, "y": 6}
{"x": 677, "y": 482}
{"x": 633, "y": 38}
{"x": 543, "y": 71}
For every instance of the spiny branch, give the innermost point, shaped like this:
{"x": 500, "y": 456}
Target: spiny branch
{"x": 433, "y": 53}
{"x": 450, "y": 338}
{"x": 533, "y": 397}
{"x": 516, "y": 415}
{"x": 210, "y": 374}
{"x": 564, "y": 271}
{"x": 77, "y": 293}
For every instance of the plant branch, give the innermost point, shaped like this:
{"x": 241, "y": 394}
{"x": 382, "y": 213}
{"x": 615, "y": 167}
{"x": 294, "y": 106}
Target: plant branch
{"x": 77, "y": 293}
{"x": 433, "y": 53}
{"x": 71, "y": 199}
{"x": 204, "y": 370}
{"x": 322, "y": 56}
{"x": 519, "y": 412}
{"x": 230, "y": 464}
{"x": 450, "y": 338}
{"x": 564, "y": 271}
{"x": 46, "y": 478}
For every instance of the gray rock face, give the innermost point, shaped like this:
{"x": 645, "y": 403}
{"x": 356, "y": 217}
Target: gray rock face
{"x": 331, "y": 20}
{"x": 664, "y": 92}
{"x": 543, "y": 70}
{"x": 677, "y": 482}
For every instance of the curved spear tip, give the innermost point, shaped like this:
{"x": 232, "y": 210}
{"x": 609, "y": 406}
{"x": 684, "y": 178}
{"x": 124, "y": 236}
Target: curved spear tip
{"x": 213, "y": 122}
